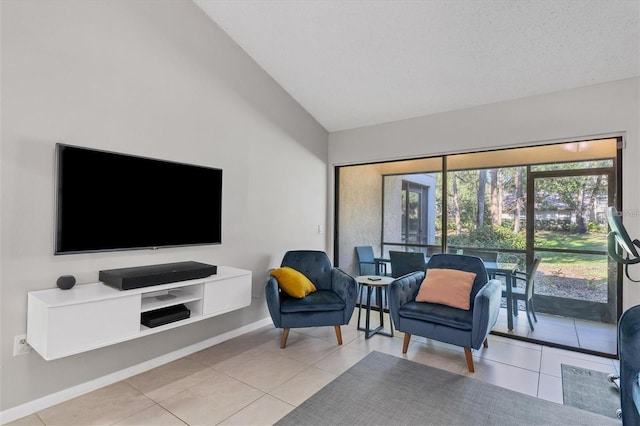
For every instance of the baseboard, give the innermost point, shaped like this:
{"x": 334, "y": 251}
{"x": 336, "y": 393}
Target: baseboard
{"x": 39, "y": 404}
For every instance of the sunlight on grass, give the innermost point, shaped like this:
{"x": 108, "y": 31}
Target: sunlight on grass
{"x": 587, "y": 266}
{"x": 560, "y": 240}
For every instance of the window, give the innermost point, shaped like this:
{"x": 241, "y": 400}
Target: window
{"x": 514, "y": 204}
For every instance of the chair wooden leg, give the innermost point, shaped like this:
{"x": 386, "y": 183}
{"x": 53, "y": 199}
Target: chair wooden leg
{"x": 283, "y": 340}
{"x": 405, "y": 344}
{"x": 467, "y": 355}
{"x": 486, "y": 343}
{"x": 338, "y": 334}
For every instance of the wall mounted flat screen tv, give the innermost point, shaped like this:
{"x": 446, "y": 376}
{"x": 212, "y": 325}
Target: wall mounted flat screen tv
{"x": 106, "y": 201}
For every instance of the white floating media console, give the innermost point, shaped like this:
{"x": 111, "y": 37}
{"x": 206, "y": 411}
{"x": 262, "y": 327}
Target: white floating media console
{"x": 90, "y": 316}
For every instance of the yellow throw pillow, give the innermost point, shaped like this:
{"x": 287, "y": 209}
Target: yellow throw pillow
{"x": 292, "y": 282}
{"x": 449, "y": 287}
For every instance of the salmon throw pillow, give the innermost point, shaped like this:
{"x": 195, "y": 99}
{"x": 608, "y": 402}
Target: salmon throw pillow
{"x": 449, "y": 287}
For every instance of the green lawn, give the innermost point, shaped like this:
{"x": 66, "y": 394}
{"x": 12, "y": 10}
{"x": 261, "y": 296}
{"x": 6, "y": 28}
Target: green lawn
{"x": 560, "y": 240}
{"x": 569, "y": 264}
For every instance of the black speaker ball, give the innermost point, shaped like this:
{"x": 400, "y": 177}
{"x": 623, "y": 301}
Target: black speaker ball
{"x": 65, "y": 282}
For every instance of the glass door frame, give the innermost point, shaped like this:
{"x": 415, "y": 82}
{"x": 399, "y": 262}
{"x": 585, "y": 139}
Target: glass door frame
{"x": 573, "y": 308}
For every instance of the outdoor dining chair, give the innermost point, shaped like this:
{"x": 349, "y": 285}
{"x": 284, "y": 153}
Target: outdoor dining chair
{"x": 366, "y": 262}
{"x": 403, "y": 263}
{"x": 525, "y": 294}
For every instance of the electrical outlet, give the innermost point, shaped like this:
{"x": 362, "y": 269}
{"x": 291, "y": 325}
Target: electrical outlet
{"x": 20, "y": 345}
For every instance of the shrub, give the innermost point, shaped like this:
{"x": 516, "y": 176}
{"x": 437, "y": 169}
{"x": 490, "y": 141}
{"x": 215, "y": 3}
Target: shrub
{"x": 490, "y": 237}
{"x": 594, "y": 227}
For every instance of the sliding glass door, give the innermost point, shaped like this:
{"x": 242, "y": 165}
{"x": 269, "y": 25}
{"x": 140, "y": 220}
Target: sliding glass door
{"x": 569, "y": 235}
{"x": 508, "y": 206}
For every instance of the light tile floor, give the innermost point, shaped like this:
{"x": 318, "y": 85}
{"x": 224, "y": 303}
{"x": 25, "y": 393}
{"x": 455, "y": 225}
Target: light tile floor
{"x": 249, "y": 380}
{"x": 576, "y": 333}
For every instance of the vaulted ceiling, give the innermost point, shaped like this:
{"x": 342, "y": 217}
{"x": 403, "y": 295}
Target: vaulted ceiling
{"x": 355, "y": 63}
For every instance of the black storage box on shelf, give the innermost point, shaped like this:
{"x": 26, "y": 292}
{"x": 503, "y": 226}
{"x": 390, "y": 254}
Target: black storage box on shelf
{"x": 164, "y": 315}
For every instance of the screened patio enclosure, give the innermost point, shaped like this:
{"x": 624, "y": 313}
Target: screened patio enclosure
{"x": 508, "y": 206}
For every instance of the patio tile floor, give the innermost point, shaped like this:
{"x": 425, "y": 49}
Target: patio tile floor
{"x": 575, "y": 333}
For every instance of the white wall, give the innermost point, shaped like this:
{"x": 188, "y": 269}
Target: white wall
{"x": 604, "y": 109}
{"x": 158, "y": 79}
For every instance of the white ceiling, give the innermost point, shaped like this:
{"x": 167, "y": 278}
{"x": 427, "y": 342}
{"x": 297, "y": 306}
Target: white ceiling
{"x": 356, "y": 63}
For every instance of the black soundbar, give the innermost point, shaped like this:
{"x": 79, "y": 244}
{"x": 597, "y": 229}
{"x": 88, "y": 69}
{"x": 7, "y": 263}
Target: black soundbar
{"x": 146, "y": 276}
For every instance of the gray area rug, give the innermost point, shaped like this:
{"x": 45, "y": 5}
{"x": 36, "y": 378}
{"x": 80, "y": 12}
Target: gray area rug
{"x": 589, "y": 390}
{"x": 386, "y": 390}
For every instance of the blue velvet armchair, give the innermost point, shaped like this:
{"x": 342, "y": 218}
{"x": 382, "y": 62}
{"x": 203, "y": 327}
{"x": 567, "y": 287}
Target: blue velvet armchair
{"x": 331, "y": 305}
{"x": 468, "y": 329}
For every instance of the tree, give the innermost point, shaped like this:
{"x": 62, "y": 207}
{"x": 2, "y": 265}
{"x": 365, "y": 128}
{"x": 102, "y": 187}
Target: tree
{"x": 482, "y": 183}
{"x": 518, "y": 177}
{"x": 595, "y": 191}
{"x": 581, "y": 225}
{"x": 456, "y": 207}
{"x": 496, "y": 216}
{"x": 576, "y": 193}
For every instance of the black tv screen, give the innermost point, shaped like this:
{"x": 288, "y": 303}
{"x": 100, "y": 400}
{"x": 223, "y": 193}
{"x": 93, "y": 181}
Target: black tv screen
{"x": 107, "y": 201}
